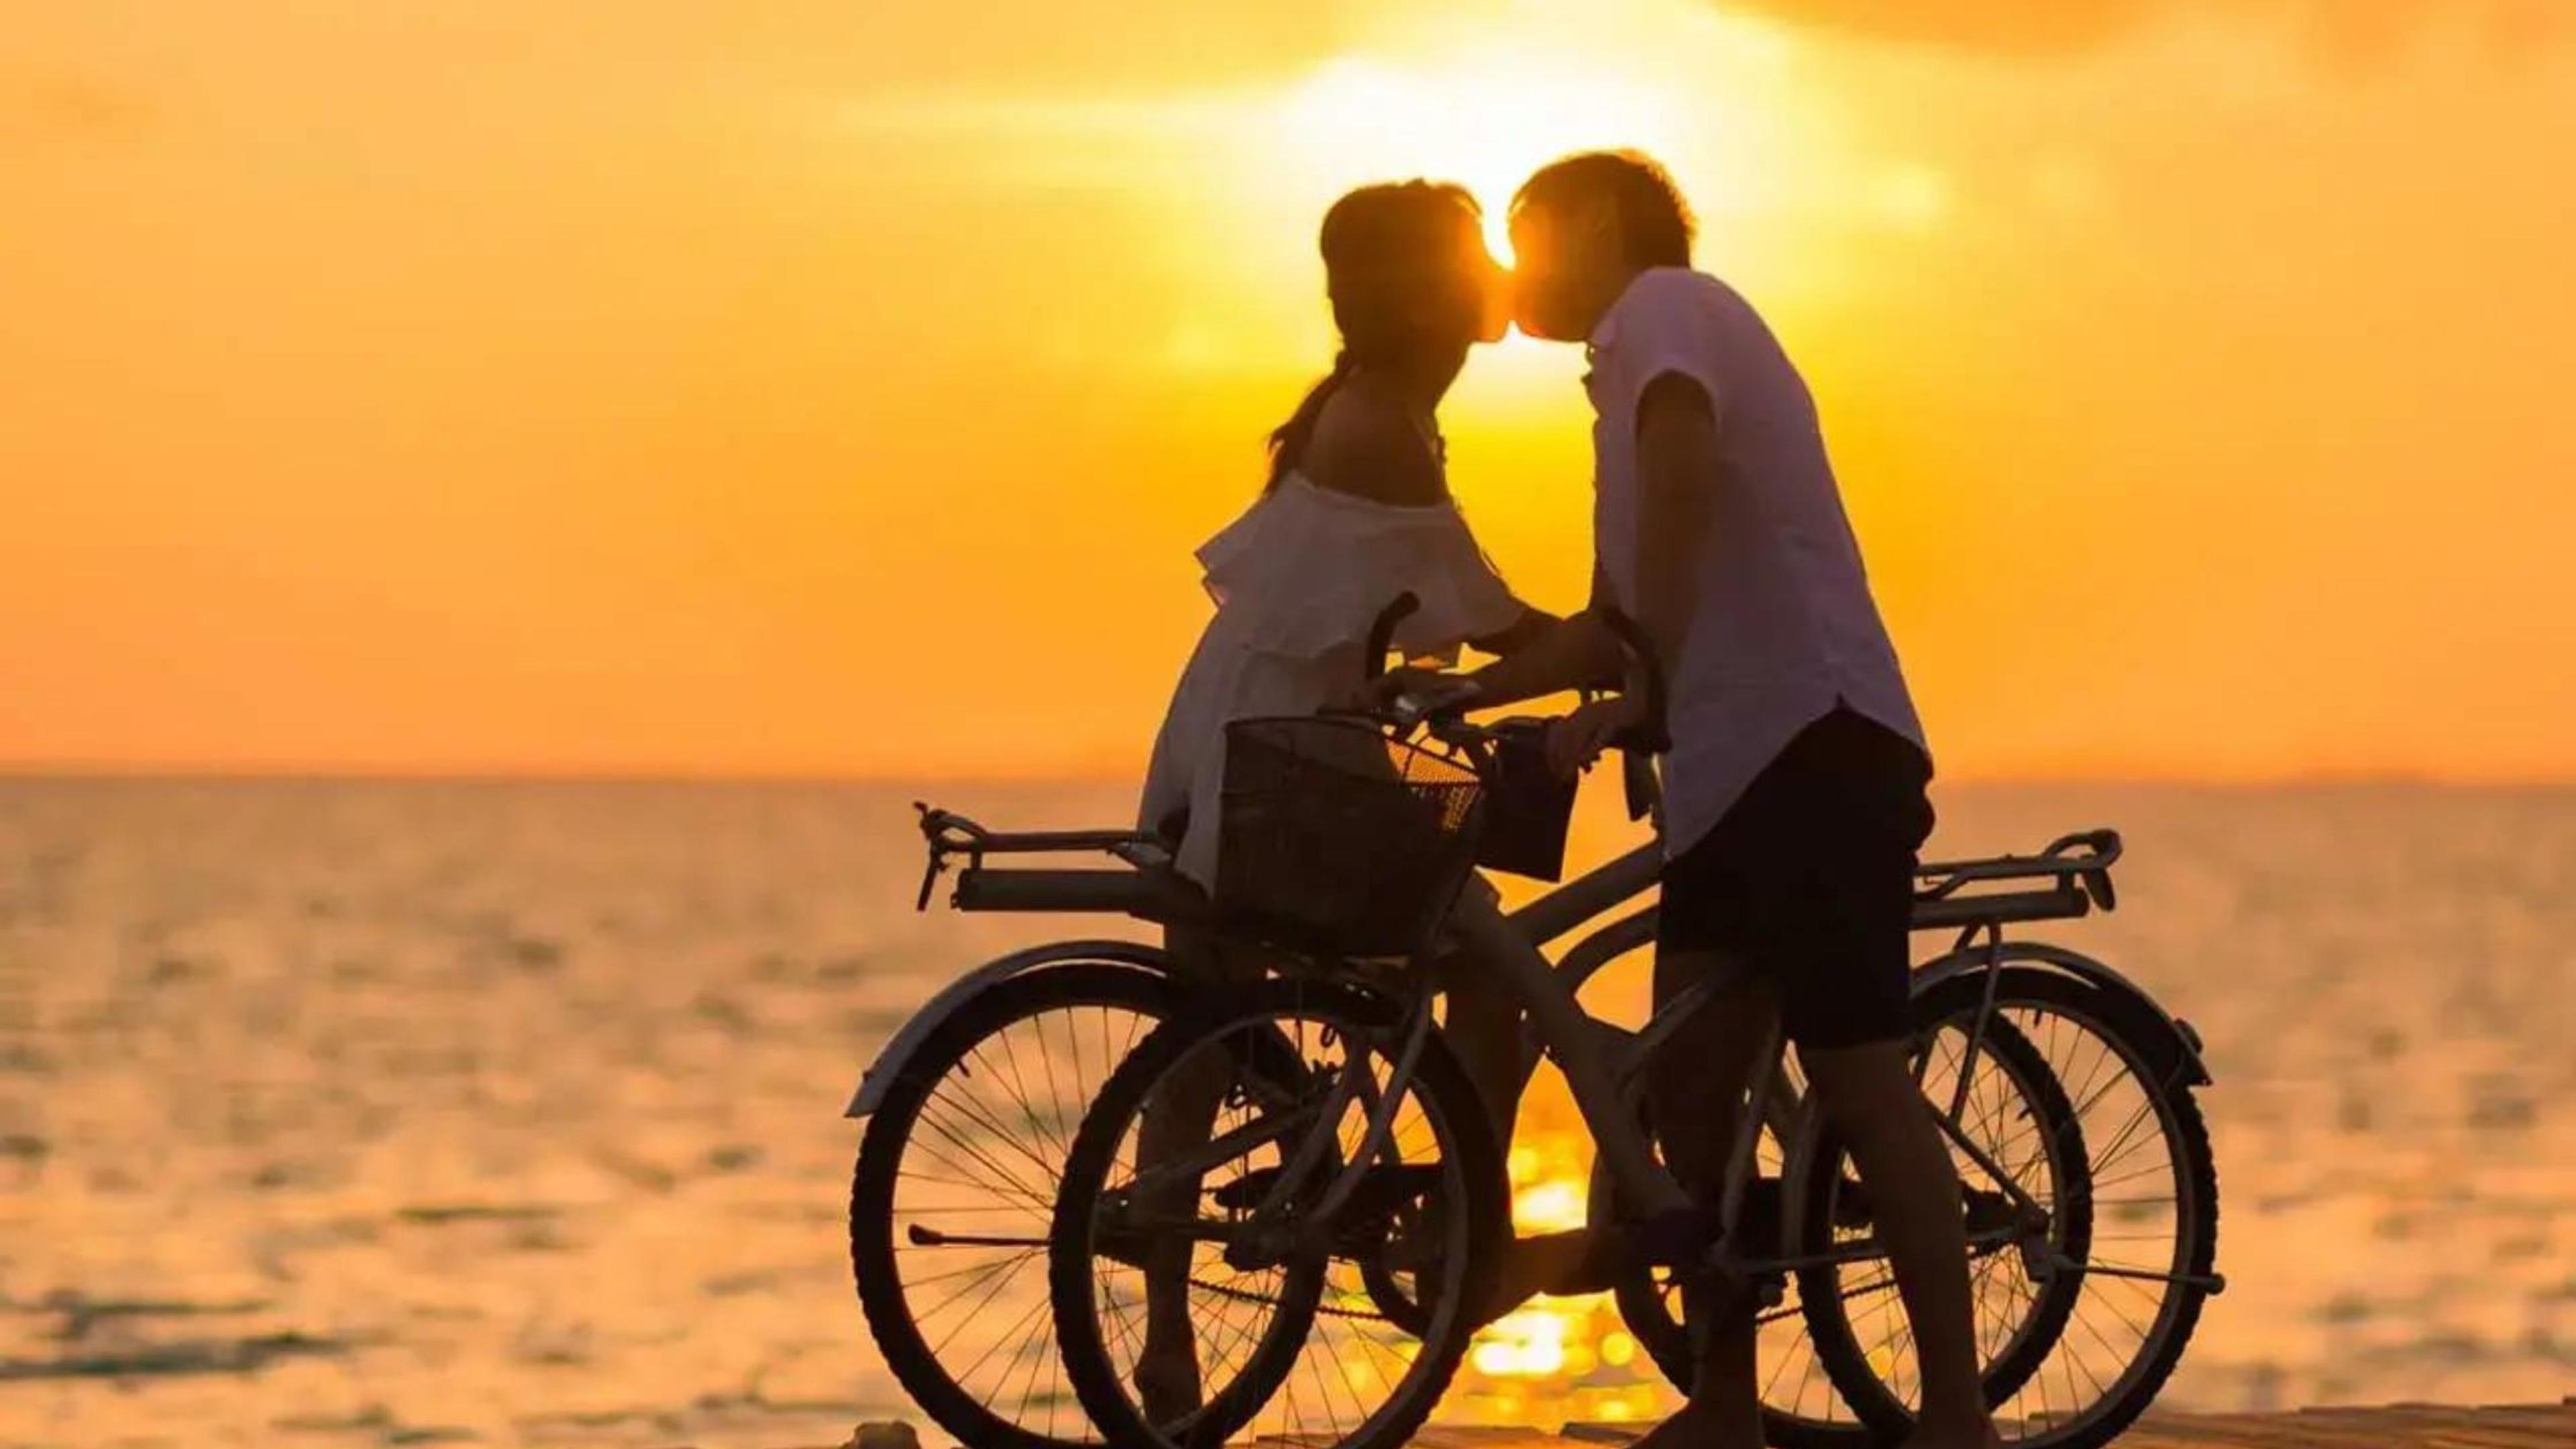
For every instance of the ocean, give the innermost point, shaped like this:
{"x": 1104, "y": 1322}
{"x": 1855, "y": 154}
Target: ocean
{"x": 345, "y": 1113}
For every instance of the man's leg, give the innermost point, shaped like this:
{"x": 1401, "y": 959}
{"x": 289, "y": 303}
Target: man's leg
{"x": 1704, "y": 1078}
{"x": 1870, "y": 1096}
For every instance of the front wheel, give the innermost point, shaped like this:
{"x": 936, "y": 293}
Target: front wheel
{"x": 1198, "y": 1290}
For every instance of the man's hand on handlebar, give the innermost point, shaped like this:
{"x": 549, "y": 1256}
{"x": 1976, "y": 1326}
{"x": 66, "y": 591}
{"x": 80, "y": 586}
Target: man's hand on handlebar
{"x": 1574, "y": 741}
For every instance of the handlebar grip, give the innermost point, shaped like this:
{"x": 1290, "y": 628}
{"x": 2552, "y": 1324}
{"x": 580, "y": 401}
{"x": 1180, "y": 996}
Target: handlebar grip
{"x": 1381, "y": 634}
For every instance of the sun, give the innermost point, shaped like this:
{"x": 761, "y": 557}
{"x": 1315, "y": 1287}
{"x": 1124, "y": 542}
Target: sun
{"x": 1485, "y": 121}
{"x": 1484, "y": 101}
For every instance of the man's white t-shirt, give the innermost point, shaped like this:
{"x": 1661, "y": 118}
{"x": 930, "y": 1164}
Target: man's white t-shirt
{"x": 1785, "y": 627}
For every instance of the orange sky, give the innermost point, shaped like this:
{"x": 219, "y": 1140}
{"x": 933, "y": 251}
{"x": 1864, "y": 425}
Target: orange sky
{"x": 817, "y": 387}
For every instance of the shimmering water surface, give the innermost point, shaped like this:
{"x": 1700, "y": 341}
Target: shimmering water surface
{"x": 410, "y": 1113}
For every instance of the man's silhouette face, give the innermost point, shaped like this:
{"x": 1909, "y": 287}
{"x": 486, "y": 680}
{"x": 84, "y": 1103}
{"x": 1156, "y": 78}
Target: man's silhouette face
{"x": 1565, "y": 265}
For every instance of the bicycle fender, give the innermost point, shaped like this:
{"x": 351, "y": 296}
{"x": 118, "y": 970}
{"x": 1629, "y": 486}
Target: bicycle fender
{"x": 2176, "y": 1044}
{"x": 935, "y": 1013}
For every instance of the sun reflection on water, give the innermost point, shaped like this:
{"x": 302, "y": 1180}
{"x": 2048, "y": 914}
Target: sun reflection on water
{"x": 1555, "y": 1361}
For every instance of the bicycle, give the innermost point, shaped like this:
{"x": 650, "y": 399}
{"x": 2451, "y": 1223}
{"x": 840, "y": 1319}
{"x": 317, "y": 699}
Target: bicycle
{"x": 1357, "y": 1203}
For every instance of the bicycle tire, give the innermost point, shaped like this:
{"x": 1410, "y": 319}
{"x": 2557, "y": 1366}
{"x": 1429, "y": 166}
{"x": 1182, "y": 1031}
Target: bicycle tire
{"x": 883, "y": 1150}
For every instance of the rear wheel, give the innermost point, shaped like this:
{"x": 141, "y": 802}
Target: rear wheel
{"x": 955, "y": 1186}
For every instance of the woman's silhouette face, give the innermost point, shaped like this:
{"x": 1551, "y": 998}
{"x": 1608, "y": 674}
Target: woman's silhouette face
{"x": 1410, "y": 273}
{"x": 1465, "y": 297}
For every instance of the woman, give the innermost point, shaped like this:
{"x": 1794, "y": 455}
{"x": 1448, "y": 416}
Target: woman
{"x": 1356, "y": 511}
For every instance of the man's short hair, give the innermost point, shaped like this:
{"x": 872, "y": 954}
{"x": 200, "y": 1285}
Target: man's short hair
{"x": 1652, "y": 215}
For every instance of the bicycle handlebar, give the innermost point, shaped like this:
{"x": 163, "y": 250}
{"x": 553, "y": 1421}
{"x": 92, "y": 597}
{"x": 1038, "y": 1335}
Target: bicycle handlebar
{"x": 1381, "y": 634}
{"x": 1441, "y": 716}
{"x": 1648, "y": 671}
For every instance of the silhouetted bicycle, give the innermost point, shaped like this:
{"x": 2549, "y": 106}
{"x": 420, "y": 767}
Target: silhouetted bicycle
{"x": 1341, "y": 1223}
{"x": 973, "y": 1109}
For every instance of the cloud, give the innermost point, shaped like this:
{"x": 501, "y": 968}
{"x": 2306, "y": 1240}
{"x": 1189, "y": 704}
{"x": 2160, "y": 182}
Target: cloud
{"x": 2338, "y": 31}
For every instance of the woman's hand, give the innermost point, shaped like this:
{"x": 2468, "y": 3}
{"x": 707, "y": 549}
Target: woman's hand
{"x": 1578, "y": 739}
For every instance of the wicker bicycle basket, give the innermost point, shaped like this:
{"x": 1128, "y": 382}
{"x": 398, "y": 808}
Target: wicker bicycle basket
{"x": 1337, "y": 838}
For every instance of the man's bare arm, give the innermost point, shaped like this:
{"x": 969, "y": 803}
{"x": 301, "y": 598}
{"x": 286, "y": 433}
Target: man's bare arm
{"x": 1572, "y": 654}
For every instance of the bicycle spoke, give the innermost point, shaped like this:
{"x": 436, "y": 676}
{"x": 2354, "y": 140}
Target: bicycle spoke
{"x": 1001, "y": 1132}
{"x": 916, "y": 1284}
{"x": 968, "y": 1373}
{"x": 1000, "y": 1283}
{"x": 992, "y": 1164}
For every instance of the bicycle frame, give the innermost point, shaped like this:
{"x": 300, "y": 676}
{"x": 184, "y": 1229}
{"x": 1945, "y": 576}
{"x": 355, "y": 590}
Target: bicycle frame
{"x": 1604, "y": 1082}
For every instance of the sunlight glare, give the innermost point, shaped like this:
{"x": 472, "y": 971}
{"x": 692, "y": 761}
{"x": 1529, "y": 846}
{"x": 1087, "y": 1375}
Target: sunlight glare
{"x": 1550, "y": 1207}
{"x": 1486, "y": 121}
{"x": 1530, "y": 1343}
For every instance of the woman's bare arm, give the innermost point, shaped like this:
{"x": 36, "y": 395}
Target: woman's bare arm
{"x": 1575, "y": 653}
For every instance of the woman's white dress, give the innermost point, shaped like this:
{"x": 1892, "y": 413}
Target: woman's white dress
{"x": 1297, "y": 581}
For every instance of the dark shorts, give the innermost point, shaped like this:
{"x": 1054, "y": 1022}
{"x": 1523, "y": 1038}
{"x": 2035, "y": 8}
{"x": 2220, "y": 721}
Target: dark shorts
{"x": 1810, "y": 879}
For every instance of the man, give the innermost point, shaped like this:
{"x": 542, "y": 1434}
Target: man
{"x": 1794, "y": 783}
